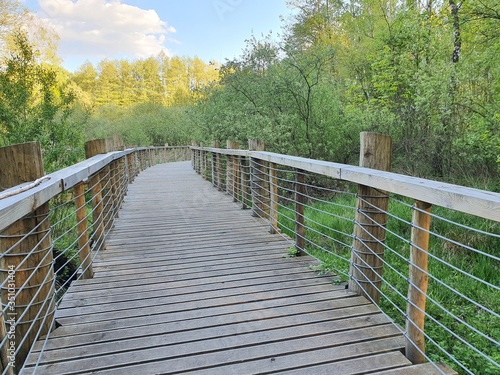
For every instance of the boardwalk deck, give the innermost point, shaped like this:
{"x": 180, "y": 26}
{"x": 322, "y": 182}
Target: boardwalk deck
{"x": 190, "y": 283}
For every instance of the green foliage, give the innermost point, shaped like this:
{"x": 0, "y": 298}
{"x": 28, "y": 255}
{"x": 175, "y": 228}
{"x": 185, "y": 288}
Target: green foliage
{"x": 328, "y": 238}
{"x": 341, "y": 68}
{"x": 142, "y": 124}
{"x": 157, "y": 80}
{"x": 36, "y": 106}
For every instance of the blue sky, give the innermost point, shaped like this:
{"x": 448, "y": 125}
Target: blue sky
{"x": 210, "y": 29}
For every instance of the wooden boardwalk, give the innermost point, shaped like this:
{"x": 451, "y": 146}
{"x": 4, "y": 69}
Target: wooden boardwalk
{"x": 190, "y": 283}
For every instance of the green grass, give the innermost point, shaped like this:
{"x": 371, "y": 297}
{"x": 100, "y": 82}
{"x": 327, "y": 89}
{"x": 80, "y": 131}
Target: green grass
{"x": 329, "y": 228}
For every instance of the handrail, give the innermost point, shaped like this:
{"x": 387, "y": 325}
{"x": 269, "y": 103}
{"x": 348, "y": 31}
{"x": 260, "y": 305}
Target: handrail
{"x": 312, "y": 203}
{"x": 15, "y": 207}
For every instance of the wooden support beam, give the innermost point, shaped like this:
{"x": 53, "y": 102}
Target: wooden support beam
{"x": 83, "y": 234}
{"x": 273, "y": 188}
{"x": 300, "y": 202}
{"x": 26, "y": 247}
{"x": 97, "y": 181}
{"x": 418, "y": 282}
{"x": 232, "y": 171}
{"x": 369, "y": 230}
{"x": 259, "y": 178}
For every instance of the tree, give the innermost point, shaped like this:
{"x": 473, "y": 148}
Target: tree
{"x": 35, "y": 106}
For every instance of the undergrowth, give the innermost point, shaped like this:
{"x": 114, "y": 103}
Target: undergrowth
{"x": 329, "y": 238}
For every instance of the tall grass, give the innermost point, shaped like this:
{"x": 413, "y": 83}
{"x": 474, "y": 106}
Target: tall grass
{"x": 329, "y": 231}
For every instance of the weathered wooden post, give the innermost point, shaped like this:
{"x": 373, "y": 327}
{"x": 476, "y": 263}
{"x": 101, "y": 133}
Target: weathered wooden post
{"x": 144, "y": 159}
{"x": 203, "y": 162}
{"x": 151, "y": 156}
{"x": 116, "y": 170}
{"x": 200, "y": 159}
{"x": 93, "y": 148}
{"x": 246, "y": 194}
{"x": 193, "y": 155}
{"x": 82, "y": 230}
{"x": 131, "y": 166}
{"x": 5, "y": 362}
{"x": 215, "y": 169}
{"x": 237, "y": 177}
{"x": 418, "y": 282}
{"x": 370, "y": 221}
{"x": 232, "y": 170}
{"x": 26, "y": 258}
{"x": 259, "y": 178}
{"x": 273, "y": 189}
{"x": 300, "y": 202}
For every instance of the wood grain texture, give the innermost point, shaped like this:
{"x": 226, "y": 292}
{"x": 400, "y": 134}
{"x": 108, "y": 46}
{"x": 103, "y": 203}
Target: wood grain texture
{"x": 191, "y": 283}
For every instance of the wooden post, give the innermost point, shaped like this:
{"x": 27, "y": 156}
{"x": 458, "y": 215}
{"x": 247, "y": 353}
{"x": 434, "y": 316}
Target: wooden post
{"x": 131, "y": 166}
{"x": 93, "y": 148}
{"x": 215, "y": 170}
{"x": 369, "y": 230}
{"x": 232, "y": 171}
{"x": 246, "y": 195}
{"x": 5, "y": 363}
{"x": 151, "y": 157}
{"x": 27, "y": 258}
{"x": 200, "y": 162}
{"x": 237, "y": 178}
{"x": 273, "y": 187}
{"x": 417, "y": 290}
{"x": 218, "y": 170}
{"x": 118, "y": 167}
{"x": 205, "y": 165}
{"x": 193, "y": 155}
{"x": 259, "y": 182}
{"x": 83, "y": 234}
{"x": 300, "y": 201}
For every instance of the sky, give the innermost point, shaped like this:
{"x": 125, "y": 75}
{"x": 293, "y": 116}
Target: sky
{"x": 213, "y": 30}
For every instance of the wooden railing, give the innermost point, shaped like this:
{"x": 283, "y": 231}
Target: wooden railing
{"x": 51, "y": 228}
{"x": 341, "y": 215}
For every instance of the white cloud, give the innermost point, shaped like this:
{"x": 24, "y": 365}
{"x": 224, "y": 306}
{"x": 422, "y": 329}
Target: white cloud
{"x": 104, "y": 28}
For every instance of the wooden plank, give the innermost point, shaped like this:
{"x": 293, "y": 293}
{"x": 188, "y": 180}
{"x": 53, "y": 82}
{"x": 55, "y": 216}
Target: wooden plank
{"x": 200, "y": 284}
{"x": 202, "y": 355}
{"x": 249, "y": 333}
{"x": 239, "y": 322}
{"x": 363, "y": 365}
{"x": 190, "y": 320}
{"x": 239, "y": 274}
{"x": 283, "y": 282}
{"x": 421, "y": 369}
{"x": 118, "y": 302}
{"x": 169, "y": 305}
{"x": 298, "y": 305}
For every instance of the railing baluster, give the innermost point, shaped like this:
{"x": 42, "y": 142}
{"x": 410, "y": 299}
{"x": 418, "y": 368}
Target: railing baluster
{"x": 259, "y": 178}
{"x": 418, "y": 280}
{"x": 246, "y": 195}
{"x": 26, "y": 263}
{"x": 369, "y": 231}
{"x": 232, "y": 170}
{"x": 300, "y": 201}
{"x": 83, "y": 234}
